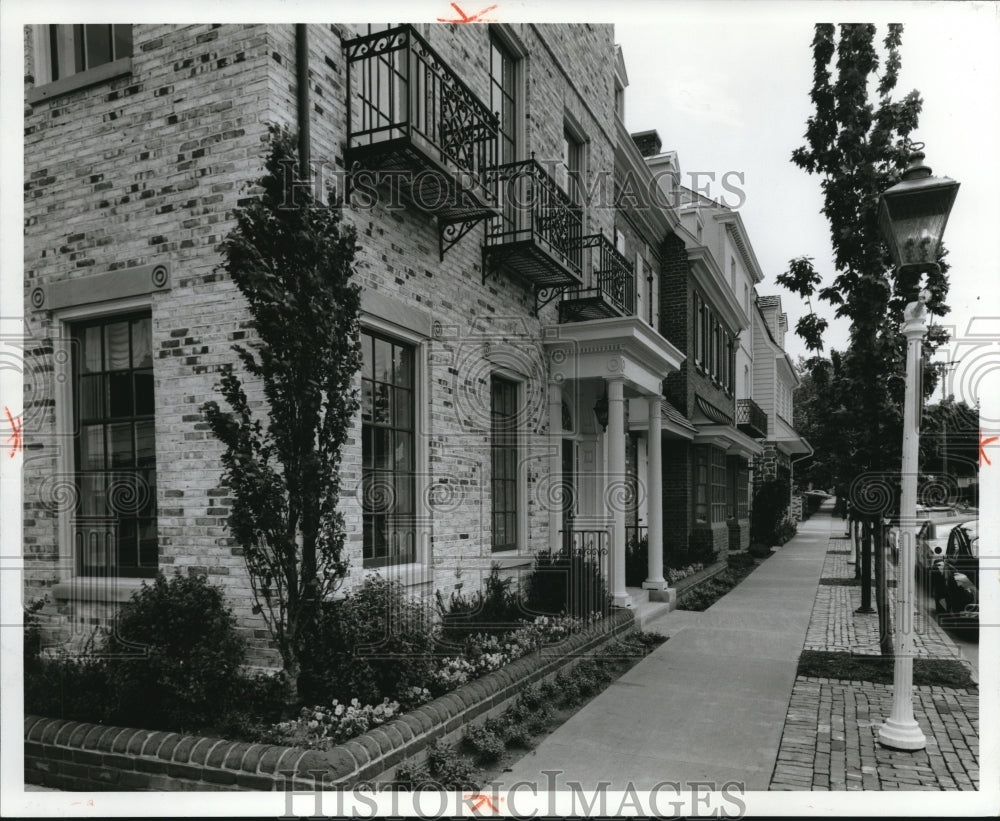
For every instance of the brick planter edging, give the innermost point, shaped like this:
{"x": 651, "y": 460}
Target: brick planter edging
{"x": 73, "y": 755}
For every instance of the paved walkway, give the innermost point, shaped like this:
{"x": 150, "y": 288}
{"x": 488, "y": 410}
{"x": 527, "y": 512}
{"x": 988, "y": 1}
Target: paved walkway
{"x": 830, "y": 740}
{"x": 720, "y": 701}
{"x": 709, "y": 704}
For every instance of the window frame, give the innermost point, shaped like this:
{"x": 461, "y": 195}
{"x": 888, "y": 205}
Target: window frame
{"x": 46, "y": 88}
{"x": 415, "y": 488}
{"x": 64, "y": 319}
{"x": 504, "y": 42}
{"x": 510, "y": 441}
{"x": 105, "y": 421}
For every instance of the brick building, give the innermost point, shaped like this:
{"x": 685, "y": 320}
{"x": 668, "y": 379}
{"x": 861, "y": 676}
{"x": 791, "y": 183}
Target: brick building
{"x": 506, "y": 355}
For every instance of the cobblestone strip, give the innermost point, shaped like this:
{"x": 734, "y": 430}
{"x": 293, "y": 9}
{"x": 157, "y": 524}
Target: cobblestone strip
{"x": 830, "y": 738}
{"x": 830, "y": 741}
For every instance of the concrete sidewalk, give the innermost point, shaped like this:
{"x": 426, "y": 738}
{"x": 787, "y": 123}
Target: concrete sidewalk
{"x": 709, "y": 704}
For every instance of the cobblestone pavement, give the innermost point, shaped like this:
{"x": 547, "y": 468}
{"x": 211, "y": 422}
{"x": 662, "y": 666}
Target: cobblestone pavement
{"x": 830, "y": 738}
{"x": 836, "y": 626}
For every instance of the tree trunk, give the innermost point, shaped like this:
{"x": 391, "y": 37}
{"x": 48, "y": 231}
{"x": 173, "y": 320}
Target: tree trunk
{"x": 882, "y": 593}
{"x": 866, "y": 567}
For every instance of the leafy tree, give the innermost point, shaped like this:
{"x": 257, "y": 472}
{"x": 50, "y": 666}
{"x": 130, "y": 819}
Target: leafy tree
{"x": 292, "y": 260}
{"x": 859, "y": 147}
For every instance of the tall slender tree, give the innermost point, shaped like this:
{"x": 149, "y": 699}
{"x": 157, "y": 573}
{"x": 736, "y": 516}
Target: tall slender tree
{"x": 292, "y": 260}
{"x": 859, "y": 146}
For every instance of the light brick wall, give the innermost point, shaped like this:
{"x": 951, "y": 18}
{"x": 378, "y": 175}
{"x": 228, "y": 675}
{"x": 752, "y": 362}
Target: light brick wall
{"x": 148, "y": 168}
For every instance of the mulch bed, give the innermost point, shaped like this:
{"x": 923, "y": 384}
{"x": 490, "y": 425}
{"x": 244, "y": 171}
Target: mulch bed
{"x": 839, "y": 582}
{"x": 878, "y": 669}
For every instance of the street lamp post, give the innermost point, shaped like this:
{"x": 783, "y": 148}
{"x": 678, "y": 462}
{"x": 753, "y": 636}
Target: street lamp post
{"x": 912, "y": 217}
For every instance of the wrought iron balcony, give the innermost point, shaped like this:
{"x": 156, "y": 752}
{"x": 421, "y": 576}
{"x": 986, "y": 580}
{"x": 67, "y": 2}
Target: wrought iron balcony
{"x": 411, "y": 119}
{"x": 612, "y": 291}
{"x": 536, "y": 236}
{"x": 751, "y": 419}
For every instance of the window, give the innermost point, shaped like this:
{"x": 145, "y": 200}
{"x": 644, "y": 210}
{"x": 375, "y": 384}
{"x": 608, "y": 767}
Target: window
{"x": 503, "y": 97}
{"x": 699, "y": 346}
{"x": 504, "y": 462}
{"x": 719, "y": 484}
{"x": 572, "y": 170}
{"x": 619, "y": 101}
{"x": 710, "y": 485}
{"x": 114, "y": 449}
{"x": 387, "y": 451}
{"x": 65, "y": 50}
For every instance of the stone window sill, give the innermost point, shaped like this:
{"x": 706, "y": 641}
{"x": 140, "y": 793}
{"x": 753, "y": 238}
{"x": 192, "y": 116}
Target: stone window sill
{"x": 97, "y": 589}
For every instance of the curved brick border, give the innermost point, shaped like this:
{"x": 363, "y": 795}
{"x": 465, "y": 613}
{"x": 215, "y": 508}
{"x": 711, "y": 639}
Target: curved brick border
{"x": 73, "y": 755}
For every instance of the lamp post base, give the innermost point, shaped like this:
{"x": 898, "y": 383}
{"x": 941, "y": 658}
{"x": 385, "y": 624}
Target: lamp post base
{"x": 901, "y": 736}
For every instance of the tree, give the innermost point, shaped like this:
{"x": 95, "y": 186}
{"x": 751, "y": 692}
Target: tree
{"x": 292, "y": 260}
{"x": 860, "y": 148}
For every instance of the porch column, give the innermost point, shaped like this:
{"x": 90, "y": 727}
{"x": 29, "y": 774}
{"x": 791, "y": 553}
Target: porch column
{"x": 616, "y": 473}
{"x": 556, "y": 488}
{"x": 654, "y": 499}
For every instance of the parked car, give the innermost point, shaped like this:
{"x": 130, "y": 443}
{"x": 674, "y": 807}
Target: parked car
{"x": 954, "y": 578}
{"x": 932, "y": 536}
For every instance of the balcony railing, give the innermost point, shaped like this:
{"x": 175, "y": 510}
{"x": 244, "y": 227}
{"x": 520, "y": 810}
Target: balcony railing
{"x": 751, "y": 419}
{"x": 411, "y": 117}
{"x": 537, "y": 234}
{"x": 612, "y": 291}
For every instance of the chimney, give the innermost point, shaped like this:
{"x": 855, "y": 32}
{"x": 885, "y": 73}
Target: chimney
{"x": 648, "y": 142}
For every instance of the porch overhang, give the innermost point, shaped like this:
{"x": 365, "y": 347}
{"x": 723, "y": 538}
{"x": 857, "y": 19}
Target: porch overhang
{"x": 621, "y": 347}
{"x": 788, "y": 441}
{"x": 673, "y": 425}
{"x": 730, "y": 439}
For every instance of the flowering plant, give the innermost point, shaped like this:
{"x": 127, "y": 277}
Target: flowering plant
{"x": 675, "y": 574}
{"x": 319, "y": 728}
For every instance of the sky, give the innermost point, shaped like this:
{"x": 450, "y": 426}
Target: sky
{"x": 727, "y": 86}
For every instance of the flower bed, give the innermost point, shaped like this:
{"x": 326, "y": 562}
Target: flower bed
{"x": 70, "y": 755}
{"x": 321, "y": 727}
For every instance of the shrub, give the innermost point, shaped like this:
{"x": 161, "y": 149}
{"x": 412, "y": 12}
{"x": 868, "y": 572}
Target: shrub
{"x": 69, "y": 687}
{"x": 740, "y": 560}
{"x": 174, "y": 659}
{"x": 375, "y": 642}
{"x": 412, "y": 775}
{"x": 33, "y": 632}
{"x": 636, "y": 561}
{"x": 567, "y": 582}
{"x": 770, "y": 503}
{"x": 487, "y": 744}
{"x": 494, "y": 610}
{"x": 449, "y": 769}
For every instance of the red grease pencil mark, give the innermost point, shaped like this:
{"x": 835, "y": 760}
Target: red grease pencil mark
{"x": 982, "y": 449}
{"x": 466, "y": 18}
{"x": 15, "y": 425}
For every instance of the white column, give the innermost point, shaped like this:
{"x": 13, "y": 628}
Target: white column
{"x": 556, "y": 489}
{"x": 654, "y": 499}
{"x": 901, "y": 731}
{"x": 616, "y": 474}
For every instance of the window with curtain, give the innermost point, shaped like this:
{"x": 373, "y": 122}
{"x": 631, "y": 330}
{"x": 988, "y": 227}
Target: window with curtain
{"x": 114, "y": 446}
